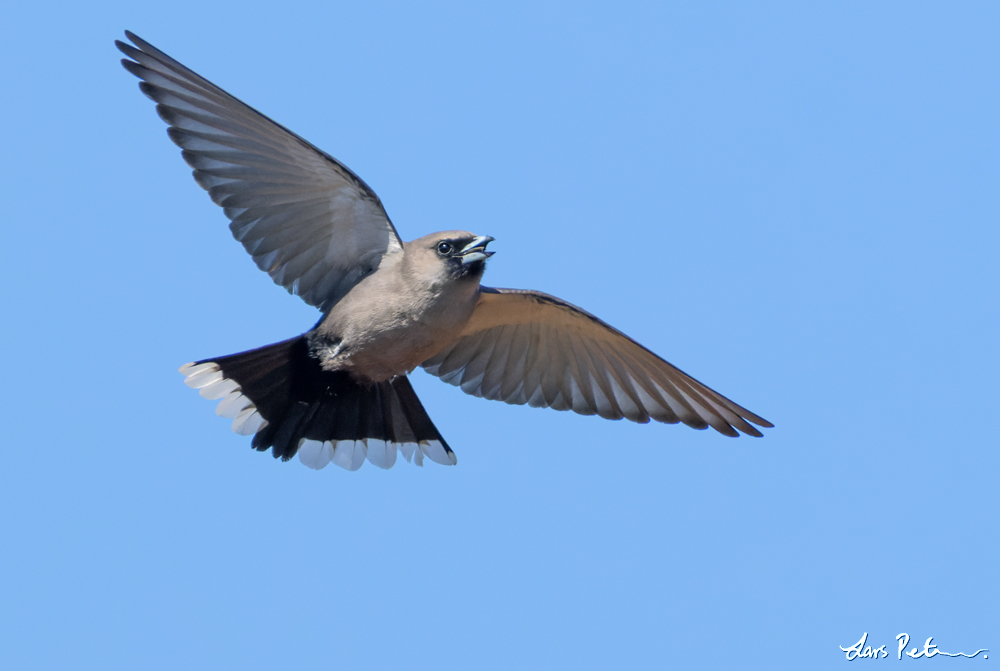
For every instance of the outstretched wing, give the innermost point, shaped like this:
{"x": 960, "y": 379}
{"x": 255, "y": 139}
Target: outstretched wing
{"x": 313, "y": 225}
{"x": 529, "y": 347}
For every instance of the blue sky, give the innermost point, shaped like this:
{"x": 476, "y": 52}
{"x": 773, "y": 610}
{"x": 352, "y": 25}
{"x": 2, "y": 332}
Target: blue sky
{"x": 797, "y": 203}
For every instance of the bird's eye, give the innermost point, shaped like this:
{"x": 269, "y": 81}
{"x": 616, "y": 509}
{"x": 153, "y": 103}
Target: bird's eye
{"x": 444, "y": 248}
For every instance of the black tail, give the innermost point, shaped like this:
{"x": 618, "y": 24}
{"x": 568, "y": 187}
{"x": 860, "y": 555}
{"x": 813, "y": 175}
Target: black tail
{"x": 282, "y": 395}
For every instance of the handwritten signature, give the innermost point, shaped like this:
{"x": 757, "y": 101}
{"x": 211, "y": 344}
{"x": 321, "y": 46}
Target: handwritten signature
{"x": 861, "y": 651}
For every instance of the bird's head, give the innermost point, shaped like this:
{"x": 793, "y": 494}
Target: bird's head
{"x": 459, "y": 254}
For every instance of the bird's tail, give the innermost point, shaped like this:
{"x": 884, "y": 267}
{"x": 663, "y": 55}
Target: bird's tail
{"x": 281, "y": 395}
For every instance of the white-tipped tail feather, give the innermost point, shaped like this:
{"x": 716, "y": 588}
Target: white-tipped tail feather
{"x": 351, "y": 454}
{"x": 210, "y": 382}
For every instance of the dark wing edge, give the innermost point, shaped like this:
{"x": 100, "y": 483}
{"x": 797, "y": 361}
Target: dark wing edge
{"x": 527, "y": 347}
{"x": 308, "y": 221}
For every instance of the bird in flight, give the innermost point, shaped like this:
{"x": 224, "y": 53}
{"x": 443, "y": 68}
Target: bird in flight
{"x": 339, "y": 393}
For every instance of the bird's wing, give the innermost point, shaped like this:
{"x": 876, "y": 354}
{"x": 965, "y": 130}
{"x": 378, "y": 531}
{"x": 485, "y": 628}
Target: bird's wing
{"x": 529, "y": 347}
{"x": 313, "y": 225}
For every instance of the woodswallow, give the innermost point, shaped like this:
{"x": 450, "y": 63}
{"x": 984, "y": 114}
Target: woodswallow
{"x": 340, "y": 393}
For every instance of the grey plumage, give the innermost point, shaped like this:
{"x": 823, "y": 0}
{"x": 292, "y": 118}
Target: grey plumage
{"x": 339, "y": 393}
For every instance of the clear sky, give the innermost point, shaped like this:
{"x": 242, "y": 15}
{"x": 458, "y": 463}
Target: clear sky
{"x": 797, "y": 203}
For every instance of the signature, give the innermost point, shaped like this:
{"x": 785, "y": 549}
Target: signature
{"x": 862, "y": 651}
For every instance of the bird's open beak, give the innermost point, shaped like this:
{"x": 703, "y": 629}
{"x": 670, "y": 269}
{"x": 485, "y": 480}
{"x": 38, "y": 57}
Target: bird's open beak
{"x": 476, "y": 250}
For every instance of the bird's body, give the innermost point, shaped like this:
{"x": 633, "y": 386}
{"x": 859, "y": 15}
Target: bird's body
{"x": 376, "y": 339}
{"x": 339, "y": 393}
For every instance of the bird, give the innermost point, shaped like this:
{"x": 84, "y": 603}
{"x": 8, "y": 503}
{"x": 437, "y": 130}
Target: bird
{"x": 340, "y": 393}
